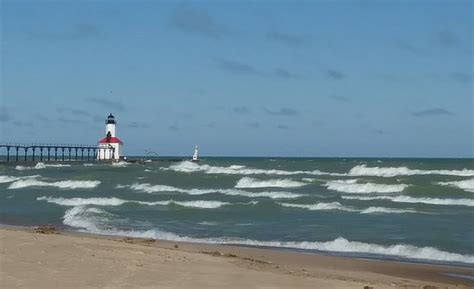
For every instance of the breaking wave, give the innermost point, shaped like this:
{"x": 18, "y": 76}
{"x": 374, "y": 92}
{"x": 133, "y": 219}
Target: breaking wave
{"x": 60, "y": 184}
{"x": 148, "y": 188}
{"x": 247, "y": 182}
{"x": 74, "y": 202}
{"x": 319, "y": 206}
{"x": 9, "y": 179}
{"x": 382, "y": 210}
{"x": 40, "y": 166}
{"x": 190, "y": 167}
{"x": 359, "y": 170}
{"x": 83, "y": 201}
{"x": 467, "y": 185}
{"x": 407, "y": 199}
{"x": 120, "y": 164}
{"x": 352, "y": 187}
{"x": 338, "y": 206}
{"x": 89, "y": 219}
{"x": 363, "y": 170}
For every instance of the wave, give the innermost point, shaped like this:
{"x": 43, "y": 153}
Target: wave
{"x": 407, "y": 199}
{"x": 190, "y": 167}
{"x": 148, "y": 188}
{"x": 9, "y": 179}
{"x": 352, "y": 187}
{"x": 199, "y": 204}
{"x": 338, "y": 206}
{"x": 83, "y": 201}
{"x": 40, "y": 166}
{"x": 247, "y": 182}
{"x": 73, "y": 202}
{"x": 87, "y": 218}
{"x": 363, "y": 170}
{"x": 382, "y": 210}
{"x": 467, "y": 185}
{"x": 90, "y": 219}
{"x": 60, "y": 184}
{"x": 359, "y": 170}
{"x": 319, "y": 206}
{"x": 120, "y": 164}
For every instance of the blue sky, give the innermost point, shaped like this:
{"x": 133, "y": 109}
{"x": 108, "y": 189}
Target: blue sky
{"x": 242, "y": 78}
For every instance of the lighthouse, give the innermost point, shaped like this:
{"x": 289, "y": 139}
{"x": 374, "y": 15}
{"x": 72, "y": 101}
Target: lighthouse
{"x": 110, "y": 147}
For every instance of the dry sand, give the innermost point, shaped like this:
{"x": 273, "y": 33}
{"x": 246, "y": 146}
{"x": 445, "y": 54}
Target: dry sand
{"x": 49, "y": 259}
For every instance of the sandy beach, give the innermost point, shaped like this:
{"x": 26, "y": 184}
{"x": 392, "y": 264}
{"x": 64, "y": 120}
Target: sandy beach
{"x": 53, "y": 259}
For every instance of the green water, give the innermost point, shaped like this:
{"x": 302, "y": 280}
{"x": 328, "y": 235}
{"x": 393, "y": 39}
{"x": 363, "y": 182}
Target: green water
{"x": 409, "y": 209}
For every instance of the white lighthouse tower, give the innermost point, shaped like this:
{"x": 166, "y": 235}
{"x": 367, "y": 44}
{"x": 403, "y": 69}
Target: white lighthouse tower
{"x": 110, "y": 147}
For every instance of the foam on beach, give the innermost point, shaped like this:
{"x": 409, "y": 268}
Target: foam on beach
{"x": 353, "y": 187}
{"x": 87, "y": 219}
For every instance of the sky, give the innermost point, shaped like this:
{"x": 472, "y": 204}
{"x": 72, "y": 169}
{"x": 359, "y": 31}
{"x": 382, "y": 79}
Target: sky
{"x": 242, "y": 78}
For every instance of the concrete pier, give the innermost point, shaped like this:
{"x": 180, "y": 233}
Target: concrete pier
{"x": 16, "y": 152}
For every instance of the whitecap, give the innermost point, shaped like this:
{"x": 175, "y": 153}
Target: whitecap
{"x": 69, "y": 184}
{"x": 83, "y": 201}
{"x": 319, "y": 206}
{"x": 40, "y": 166}
{"x": 120, "y": 164}
{"x": 112, "y": 201}
{"x": 190, "y": 167}
{"x": 148, "y": 188}
{"x": 408, "y": 199}
{"x": 467, "y": 185}
{"x": 247, "y": 182}
{"x": 9, "y": 179}
{"x": 363, "y": 170}
{"x": 353, "y": 187}
{"x": 382, "y": 210}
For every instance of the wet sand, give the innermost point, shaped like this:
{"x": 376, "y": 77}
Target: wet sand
{"x": 54, "y": 259}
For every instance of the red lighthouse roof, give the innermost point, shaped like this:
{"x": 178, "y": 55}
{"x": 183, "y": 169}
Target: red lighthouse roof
{"x": 111, "y": 140}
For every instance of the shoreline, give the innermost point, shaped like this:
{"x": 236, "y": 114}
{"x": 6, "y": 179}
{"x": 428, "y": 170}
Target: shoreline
{"x": 349, "y": 255}
{"x": 25, "y": 251}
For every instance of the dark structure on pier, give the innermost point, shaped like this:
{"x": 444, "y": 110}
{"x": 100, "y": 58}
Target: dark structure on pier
{"x": 52, "y": 152}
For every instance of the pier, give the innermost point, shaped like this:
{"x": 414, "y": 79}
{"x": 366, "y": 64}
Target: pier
{"x": 54, "y": 152}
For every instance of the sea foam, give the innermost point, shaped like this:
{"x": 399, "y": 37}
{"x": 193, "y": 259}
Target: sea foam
{"x": 382, "y": 210}
{"x": 467, "y": 185}
{"x": 59, "y": 184}
{"x": 190, "y": 167}
{"x": 408, "y": 199}
{"x": 112, "y": 201}
{"x": 363, "y": 170}
{"x": 319, "y": 206}
{"x": 247, "y": 182}
{"x": 9, "y": 179}
{"x": 40, "y": 166}
{"x": 352, "y": 187}
{"x": 148, "y": 188}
